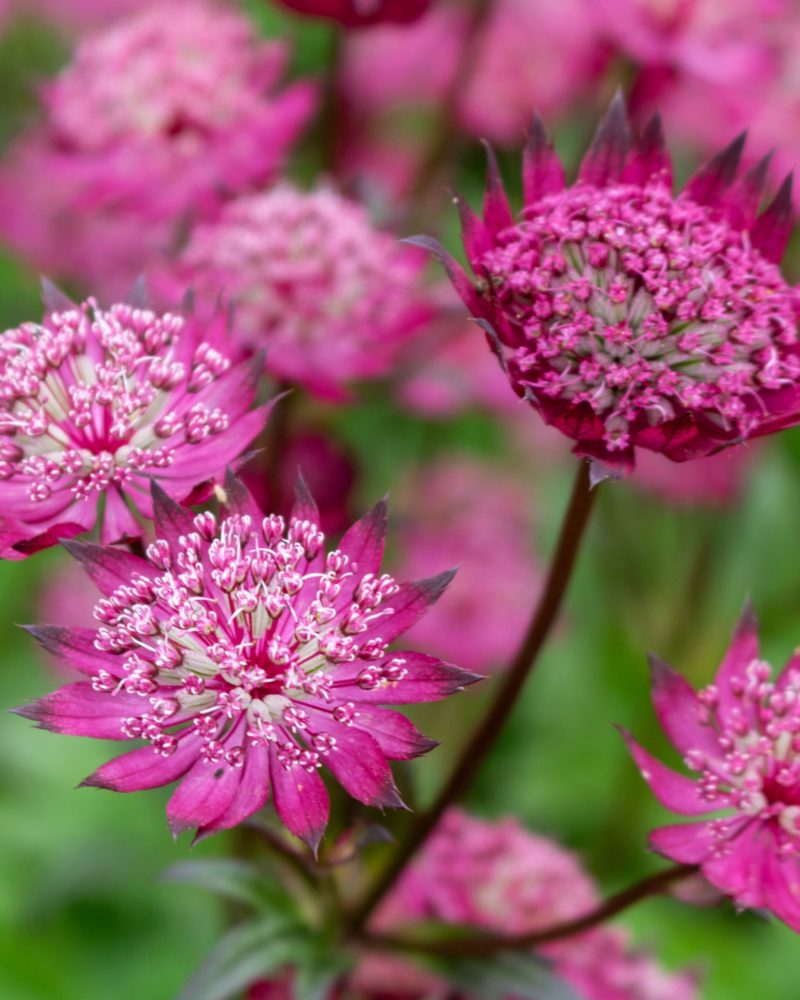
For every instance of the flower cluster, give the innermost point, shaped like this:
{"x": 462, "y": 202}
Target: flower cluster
{"x": 331, "y": 297}
{"x": 155, "y": 119}
{"x": 629, "y": 317}
{"x": 248, "y": 659}
{"x": 95, "y": 403}
{"x": 740, "y": 736}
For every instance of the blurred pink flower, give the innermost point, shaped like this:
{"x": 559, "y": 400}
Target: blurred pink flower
{"x": 741, "y": 737}
{"x": 155, "y": 122}
{"x": 330, "y": 297}
{"x": 465, "y": 513}
{"x": 713, "y": 68}
{"x": 95, "y": 403}
{"x": 714, "y": 481}
{"x": 72, "y": 13}
{"x": 500, "y": 877}
{"x": 630, "y": 318}
{"x": 450, "y": 370}
{"x": 519, "y": 66}
{"x": 247, "y": 658}
{"x": 361, "y": 13}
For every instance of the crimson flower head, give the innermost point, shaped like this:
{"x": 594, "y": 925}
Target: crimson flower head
{"x": 630, "y": 317}
{"x": 361, "y": 13}
{"x": 95, "y": 403}
{"x": 248, "y": 658}
{"x": 740, "y": 736}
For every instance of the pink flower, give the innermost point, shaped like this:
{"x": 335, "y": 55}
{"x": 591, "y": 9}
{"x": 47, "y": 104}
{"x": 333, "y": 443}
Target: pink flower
{"x": 248, "y": 659}
{"x": 502, "y": 878}
{"x": 95, "y": 403}
{"x": 392, "y": 75}
{"x": 330, "y": 297}
{"x": 361, "y": 13}
{"x": 716, "y": 481}
{"x": 158, "y": 118}
{"x": 449, "y": 370}
{"x": 628, "y": 317}
{"x": 740, "y": 736}
{"x": 467, "y": 513}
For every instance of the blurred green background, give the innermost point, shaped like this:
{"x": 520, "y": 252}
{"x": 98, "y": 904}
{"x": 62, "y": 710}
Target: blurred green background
{"x": 83, "y": 914}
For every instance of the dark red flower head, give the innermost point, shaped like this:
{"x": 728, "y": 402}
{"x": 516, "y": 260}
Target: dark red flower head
{"x": 628, "y": 316}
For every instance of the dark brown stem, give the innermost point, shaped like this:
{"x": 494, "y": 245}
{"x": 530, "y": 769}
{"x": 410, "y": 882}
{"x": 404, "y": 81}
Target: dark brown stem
{"x": 278, "y": 437}
{"x": 475, "y": 752}
{"x": 445, "y": 144}
{"x": 653, "y": 885}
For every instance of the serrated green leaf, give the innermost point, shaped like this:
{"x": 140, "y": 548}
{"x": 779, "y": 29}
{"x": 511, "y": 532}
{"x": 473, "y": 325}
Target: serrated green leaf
{"x": 237, "y": 880}
{"x": 246, "y": 953}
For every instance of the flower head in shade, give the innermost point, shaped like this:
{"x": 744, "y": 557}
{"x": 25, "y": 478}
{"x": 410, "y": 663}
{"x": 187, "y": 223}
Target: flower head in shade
{"x": 632, "y": 318}
{"x": 330, "y": 297}
{"x": 453, "y": 519}
{"x": 500, "y": 877}
{"x": 361, "y": 13}
{"x": 740, "y": 736}
{"x": 157, "y": 119}
{"x": 95, "y": 403}
{"x": 248, "y": 659}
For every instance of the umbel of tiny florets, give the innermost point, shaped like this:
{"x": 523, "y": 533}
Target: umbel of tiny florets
{"x": 95, "y": 403}
{"x": 248, "y": 659}
{"x": 740, "y": 736}
{"x": 630, "y": 317}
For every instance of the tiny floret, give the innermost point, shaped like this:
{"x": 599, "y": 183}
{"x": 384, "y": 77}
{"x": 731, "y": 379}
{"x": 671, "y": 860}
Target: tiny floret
{"x": 248, "y": 658}
{"x": 740, "y": 738}
{"x": 630, "y": 317}
{"x": 95, "y": 403}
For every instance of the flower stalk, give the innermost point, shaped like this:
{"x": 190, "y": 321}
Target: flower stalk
{"x": 652, "y": 885}
{"x": 477, "y": 749}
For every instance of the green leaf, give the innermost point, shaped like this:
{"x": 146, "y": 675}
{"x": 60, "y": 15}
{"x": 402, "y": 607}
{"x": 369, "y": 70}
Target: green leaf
{"x": 237, "y": 880}
{"x": 245, "y": 954}
{"x": 317, "y": 973}
{"x": 523, "y": 976}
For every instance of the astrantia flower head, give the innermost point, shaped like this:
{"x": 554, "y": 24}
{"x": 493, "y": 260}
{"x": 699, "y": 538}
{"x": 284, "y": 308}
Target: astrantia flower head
{"x": 633, "y": 318}
{"x": 95, "y": 403}
{"x": 248, "y": 659}
{"x": 157, "y": 119}
{"x": 741, "y": 738}
{"x": 330, "y": 297}
{"x": 361, "y": 13}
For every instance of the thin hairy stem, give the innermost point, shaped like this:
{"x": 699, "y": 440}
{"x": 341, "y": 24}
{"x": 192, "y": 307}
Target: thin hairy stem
{"x": 478, "y": 746}
{"x": 653, "y": 885}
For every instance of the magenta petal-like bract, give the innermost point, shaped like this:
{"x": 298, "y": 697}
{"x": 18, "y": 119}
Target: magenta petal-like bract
{"x": 740, "y": 736}
{"x": 94, "y": 404}
{"x": 630, "y": 317}
{"x": 248, "y": 659}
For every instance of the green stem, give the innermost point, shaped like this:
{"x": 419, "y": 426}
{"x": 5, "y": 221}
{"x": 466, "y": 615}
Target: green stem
{"x": 475, "y": 752}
